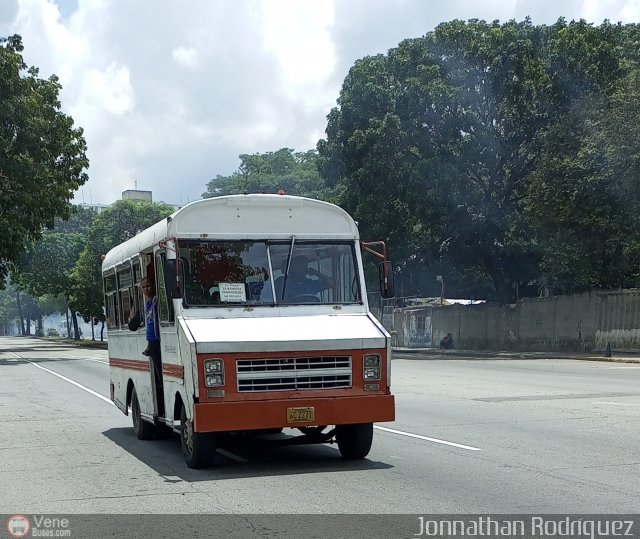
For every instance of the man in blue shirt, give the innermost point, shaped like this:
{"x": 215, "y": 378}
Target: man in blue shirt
{"x": 152, "y": 324}
{"x": 302, "y": 283}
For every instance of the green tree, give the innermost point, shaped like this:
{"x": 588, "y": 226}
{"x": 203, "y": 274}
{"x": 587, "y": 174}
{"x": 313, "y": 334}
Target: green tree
{"x": 30, "y": 308}
{"x": 118, "y": 223}
{"x": 46, "y": 266}
{"x": 8, "y": 308}
{"x": 45, "y": 269}
{"x": 42, "y": 155}
{"x": 294, "y": 172}
{"x": 435, "y": 142}
{"x": 79, "y": 221}
{"x": 583, "y": 200}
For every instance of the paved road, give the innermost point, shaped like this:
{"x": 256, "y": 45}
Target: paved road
{"x": 507, "y": 436}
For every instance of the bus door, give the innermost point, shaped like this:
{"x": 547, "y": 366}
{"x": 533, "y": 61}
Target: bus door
{"x": 171, "y": 361}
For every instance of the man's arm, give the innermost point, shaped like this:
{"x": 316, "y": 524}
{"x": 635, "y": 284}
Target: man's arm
{"x": 135, "y": 322}
{"x": 324, "y": 280}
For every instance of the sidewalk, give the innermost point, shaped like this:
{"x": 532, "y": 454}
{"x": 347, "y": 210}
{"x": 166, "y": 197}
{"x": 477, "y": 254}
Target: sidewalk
{"x": 81, "y": 343}
{"x": 617, "y": 357}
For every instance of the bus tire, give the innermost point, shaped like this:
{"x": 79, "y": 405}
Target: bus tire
{"x": 143, "y": 429}
{"x": 198, "y": 448}
{"x": 354, "y": 441}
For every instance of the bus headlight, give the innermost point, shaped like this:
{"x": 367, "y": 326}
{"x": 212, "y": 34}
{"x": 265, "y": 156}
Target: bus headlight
{"x": 213, "y": 372}
{"x": 371, "y": 367}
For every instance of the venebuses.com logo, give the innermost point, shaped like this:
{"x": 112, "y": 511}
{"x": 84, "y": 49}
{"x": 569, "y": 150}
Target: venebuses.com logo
{"x": 38, "y": 526}
{"x": 18, "y": 525}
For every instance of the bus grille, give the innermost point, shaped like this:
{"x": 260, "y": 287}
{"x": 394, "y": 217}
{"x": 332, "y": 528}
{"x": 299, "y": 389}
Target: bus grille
{"x": 294, "y": 373}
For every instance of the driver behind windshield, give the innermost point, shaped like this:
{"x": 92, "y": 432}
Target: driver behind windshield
{"x": 301, "y": 281}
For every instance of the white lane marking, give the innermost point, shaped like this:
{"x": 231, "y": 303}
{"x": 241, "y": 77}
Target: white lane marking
{"x": 426, "y": 438}
{"x": 230, "y": 455}
{"x": 627, "y": 366}
{"x": 614, "y": 403}
{"x": 94, "y": 393}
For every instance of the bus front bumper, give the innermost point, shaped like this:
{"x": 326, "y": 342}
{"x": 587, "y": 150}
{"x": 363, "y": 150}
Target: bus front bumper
{"x": 251, "y": 415}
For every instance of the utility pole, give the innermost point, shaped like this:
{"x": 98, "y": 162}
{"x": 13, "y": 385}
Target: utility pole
{"x": 441, "y": 280}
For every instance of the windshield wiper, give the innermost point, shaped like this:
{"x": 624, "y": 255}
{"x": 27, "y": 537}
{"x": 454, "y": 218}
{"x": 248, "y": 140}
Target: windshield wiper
{"x": 286, "y": 273}
{"x": 272, "y": 283}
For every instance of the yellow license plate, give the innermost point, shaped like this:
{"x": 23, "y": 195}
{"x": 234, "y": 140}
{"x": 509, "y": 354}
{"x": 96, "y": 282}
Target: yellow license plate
{"x": 301, "y": 415}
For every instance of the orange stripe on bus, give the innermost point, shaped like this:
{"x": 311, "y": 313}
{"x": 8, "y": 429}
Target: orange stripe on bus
{"x": 132, "y": 364}
{"x": 175, "y": 371}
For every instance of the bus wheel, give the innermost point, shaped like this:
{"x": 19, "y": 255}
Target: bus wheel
{"x": 143, "y": 429}
{"x": 354, "y": 441}
{"x": 198, "y": 448}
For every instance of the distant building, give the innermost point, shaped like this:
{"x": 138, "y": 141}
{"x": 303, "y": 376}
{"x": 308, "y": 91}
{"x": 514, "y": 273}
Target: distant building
{"x": 98, "y": 208}
{"x": 129, "y": 194}
{"x": 136, "y": 194}
{"x": 143, "y": 196}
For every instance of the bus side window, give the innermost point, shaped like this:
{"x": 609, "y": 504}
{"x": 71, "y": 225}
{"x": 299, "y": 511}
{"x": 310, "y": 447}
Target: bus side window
{"x": 110, "y": 300}
{"x": 124, "y": 294}
{"x": 164, "y": 303}
{"x": 138, "y": 301}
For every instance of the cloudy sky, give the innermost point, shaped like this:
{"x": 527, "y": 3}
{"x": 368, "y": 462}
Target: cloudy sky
{"x": 170, "y": 93}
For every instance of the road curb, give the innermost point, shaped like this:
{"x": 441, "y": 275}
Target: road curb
{"x": 81, "y": 343}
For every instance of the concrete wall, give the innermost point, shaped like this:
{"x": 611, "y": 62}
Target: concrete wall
{"x": 618, "y": 320}
{"x": 416, "y": 329}
{"x": 584, "y": 322}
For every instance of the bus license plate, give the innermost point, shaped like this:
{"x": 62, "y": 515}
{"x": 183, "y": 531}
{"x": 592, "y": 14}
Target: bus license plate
{"x": 301, "y": 415}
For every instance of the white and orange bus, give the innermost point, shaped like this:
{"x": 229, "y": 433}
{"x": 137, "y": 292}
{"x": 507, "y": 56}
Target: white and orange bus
{"x": 243, "y": 347}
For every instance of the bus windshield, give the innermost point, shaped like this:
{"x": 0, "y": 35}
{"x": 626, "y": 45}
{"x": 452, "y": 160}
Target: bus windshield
{"x": 226, "y": 273}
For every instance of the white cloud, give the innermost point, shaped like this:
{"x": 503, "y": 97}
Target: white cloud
{"x": 616, "y": 10}
{"x": 186, "y": 56}
{"x": 630, "y": 12}
{"x": 107, "y": 90}
{"x": 169, "y": 96}
{"x": 53, "y": 46}
{"x": 298, "y": 33}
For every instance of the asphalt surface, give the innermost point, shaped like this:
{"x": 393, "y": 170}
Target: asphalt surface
{"x": 471, "y": 435}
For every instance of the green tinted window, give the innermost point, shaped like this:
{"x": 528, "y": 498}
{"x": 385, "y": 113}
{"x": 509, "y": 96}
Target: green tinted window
{"x": 164, "y": 303}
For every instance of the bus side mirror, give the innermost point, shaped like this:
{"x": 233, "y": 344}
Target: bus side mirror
{"x": 387, "y": 286}
{"x": 174, "y": 288}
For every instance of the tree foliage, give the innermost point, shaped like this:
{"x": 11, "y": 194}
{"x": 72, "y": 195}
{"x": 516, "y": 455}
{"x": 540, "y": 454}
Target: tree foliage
{"x": 46, "y": 266}
{"x": 44, "y": 269}
{"x": 43, "y": 277}
{"x": 456, "y": 146}
{"x": 8, "y": 308}
{"x": 79, "y": 221}
{"x": 42, "y": 154}
{"x": 584, "y": 198}
{"x": 294, "y": 172}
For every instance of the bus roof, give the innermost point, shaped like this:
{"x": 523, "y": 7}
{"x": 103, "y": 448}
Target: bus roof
{"x": 243, "y": 217}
